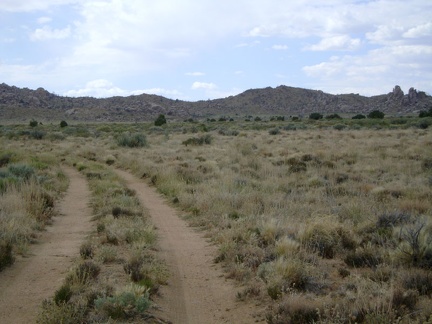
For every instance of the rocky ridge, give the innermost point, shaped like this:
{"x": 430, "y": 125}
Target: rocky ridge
{"x": 21, "y": 104}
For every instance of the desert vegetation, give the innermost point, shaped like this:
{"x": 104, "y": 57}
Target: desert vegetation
{"x": 29, "y": 185}
{"x": 323, "y": 220}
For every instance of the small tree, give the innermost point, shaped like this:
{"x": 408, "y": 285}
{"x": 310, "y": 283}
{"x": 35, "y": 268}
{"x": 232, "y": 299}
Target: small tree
{"x": 376, "y": 114}
{"x": 33, "y": 123}
{"x": 63, "y": 124}
{"x": 316, "y": 116}
{"x": 359, "y": 116}
{"x": 160, "y": 120}
{"x": 425, "y": 113}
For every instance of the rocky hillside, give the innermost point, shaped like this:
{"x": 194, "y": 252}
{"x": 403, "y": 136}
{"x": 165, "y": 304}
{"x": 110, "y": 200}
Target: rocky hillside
{"x": 18, "y": 104}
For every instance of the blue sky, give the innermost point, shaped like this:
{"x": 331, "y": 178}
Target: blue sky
{"x": 206, "y": 49}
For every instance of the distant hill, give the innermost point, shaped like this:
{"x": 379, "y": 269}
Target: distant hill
{"x": 22, "y": 104}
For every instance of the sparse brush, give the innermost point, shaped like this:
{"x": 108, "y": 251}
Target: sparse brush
{"x": 66, "y": 313}
{"x": 420, "y": 280}
{"x": 86, "y": 250}
{"x": 286, "y": 247}
{"x": 107, "y": 254}
{"x": 63, "y": 294}
{"x": 83, "y": 273}
{"x": 295, "y": 309}
{"x": 132, "y": 140}
{"x": 363, "y": 257}
{"x": 134, "y": 300}
{"x": 6, "y": 257}
{"x": 324, "y": 237}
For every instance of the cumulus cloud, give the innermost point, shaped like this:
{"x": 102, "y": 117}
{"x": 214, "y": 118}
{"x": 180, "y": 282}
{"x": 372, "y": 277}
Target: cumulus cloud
{"x": 117, "y": 39}
{"x": 47, "y": 33}
{"x": 44, "y": 20}
{"x": 102, "y": 88}
{"x": 423, "y": 30}
{"x": 377, "y": 71}
{"x": 32, "y": 5}
{"x": 336, "y": 43}
{"x": 203, "y": 85}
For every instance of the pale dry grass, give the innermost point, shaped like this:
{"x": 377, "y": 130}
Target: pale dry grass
{"x": 263, "y": 197}
{"x": 274, "y": 203}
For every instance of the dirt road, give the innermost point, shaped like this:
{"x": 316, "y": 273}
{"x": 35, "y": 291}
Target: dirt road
{"x": 32, "y": 279}
{"x": 197, "y": 291}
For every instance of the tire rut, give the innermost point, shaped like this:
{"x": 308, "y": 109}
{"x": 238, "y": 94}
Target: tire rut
{"x": 197, "y": 291}
{"x": 30, "y": 280}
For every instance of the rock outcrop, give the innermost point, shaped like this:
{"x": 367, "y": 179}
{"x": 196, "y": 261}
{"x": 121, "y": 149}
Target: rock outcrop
{"x": 23, "y": 104}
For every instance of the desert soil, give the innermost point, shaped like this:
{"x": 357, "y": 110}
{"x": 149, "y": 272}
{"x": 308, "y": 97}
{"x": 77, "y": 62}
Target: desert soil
{"x": 36, "y": 277}
{"x": 197, "y": 291}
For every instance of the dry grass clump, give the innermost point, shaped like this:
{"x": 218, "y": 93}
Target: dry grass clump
{"x": 309, "y": 216}
{"x": 29, "y": 185}
{"x": 319, "y": 200}
{"x": 116, "y": 254}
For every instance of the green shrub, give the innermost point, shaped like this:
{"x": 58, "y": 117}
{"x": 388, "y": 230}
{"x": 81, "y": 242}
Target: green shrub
{"x": 424, "y": 124}
{"x": 63, "y": 124}
{"x": 21, "y": 171}
{"x": 425, "y": 113}
{"x": 339, "y": 127}
{"x": 37, "y": 134}
{"x": 33, "y": 123}
{"x": 316, "y": 116}
{"x": 376, "y": 114}
{"x": 197, "y": 141}
{"x": 63, "y": 294}
{"x": 132, "y": 140}
{"x": 161, "y": 120}
{"x": 124, "y": 305}
{"x": 359, "y": 116}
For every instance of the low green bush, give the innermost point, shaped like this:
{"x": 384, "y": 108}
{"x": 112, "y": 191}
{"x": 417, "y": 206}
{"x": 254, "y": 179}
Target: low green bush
{"x": 197, "y": 141}
{"x": 22, "y": 171}
{"x": 124, "y": 305}
{"x": 132, "y": 140}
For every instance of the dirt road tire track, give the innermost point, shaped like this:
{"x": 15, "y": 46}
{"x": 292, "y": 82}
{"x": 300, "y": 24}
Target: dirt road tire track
{"x": 197, "y": 291}
{"x": 32, "y": 279}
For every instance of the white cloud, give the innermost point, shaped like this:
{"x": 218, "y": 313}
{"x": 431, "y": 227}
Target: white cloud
{"x": 203, "y": 85}
{"x": 102, "y": 88}
{"x": 419, "y": 31}
{"x": 44, "y": 20}
{"x": 336, "y": 43}
{"x": 118, "y": 39}
{"x": 32, "y": 5}
{"x": 280, "y": 47}
{"x": 377, "y": 71}
{"x": 47, "y": 33}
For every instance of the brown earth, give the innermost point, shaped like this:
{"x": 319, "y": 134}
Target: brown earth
{"x": 197, "y": 291}
{"x": 33, "y": 278}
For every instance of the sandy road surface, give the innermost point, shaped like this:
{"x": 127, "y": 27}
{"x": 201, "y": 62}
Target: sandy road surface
{"x": 197, "y": 291}
{"x": 30, "y": 280}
